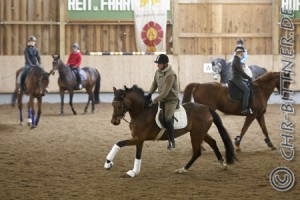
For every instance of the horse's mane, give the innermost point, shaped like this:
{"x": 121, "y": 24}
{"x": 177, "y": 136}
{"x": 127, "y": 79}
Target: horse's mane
{"x": 265, "y": 77}
{"x": 40, "y": 72}
{"x": 134, "y": 89}
{"x": 138, "y": 90}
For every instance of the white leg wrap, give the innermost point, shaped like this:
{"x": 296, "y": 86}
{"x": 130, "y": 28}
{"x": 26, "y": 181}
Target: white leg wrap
{"x": 114, "y": 150}
{"x": 136, "y": 169}
{"x": 110, "y": 157}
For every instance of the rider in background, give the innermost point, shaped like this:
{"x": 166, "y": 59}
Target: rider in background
{"x": 240, "y": 43}
{"x": 32, "y": 59}
{"x": 165, "y": 80}
{"x": 238, "y": 78}
{"x": 74, "y": 61}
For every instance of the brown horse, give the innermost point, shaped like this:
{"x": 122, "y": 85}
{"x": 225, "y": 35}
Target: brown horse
{"x": 36, "y": 83}
{"x": 215, "y": 96}
{"x": 143, "y": 127}
{"x": 67, "y": 81}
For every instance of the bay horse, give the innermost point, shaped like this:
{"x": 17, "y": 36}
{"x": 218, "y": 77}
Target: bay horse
{"x": 223, "y": 69}
{"x": 215, "y": 95}
{"x": 143, "y": 127}
{"x": 67, "y": 81}
{"x": 36, "y": 84}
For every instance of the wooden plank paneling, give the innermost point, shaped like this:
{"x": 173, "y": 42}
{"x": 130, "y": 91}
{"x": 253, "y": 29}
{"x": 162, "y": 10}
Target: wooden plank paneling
{"x": 206, "y": 28}
{"x": 202, "y": 27}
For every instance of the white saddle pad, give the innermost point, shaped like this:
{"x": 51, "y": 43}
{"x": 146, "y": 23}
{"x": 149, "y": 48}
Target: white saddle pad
{"x": 180, "y": 120}
{"x": 83, "y": 75}
{"x": 248, "y": 71}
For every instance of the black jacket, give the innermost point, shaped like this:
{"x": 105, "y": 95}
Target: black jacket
{"x": 237, "y": 70}
{"x": 32, "y": 56}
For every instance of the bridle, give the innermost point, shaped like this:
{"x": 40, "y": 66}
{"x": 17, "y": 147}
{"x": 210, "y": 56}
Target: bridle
{"x": 125, "y": 110}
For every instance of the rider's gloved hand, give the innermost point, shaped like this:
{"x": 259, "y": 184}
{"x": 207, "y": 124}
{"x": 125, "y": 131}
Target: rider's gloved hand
{"x": 149, "y": 96}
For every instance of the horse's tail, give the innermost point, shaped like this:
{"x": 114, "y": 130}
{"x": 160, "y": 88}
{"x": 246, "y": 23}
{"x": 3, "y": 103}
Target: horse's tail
{"x": 97, "y": 87}
{"x": 14, "y": 98}
{"x": 230, "y": 156}
{"x": 187, "y": 94}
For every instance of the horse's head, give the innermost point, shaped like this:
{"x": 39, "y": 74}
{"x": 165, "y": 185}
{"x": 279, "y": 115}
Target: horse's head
{"x": 56, "y": 63}
{"x": 37, "y": 81}
{"x": 132, "y": 100}
{"x": 44, "y": 82}
{"x": 216, "y": 67}
{"x": 120, "y": 106}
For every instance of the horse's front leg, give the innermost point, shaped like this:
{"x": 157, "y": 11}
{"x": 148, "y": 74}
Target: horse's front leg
{"x": 137, "y": 164}
{"x": 88, "y": 102}
{"x": 262, "y": 124}
{"x": 71, "y": 102}
{"x": 238, "y": 139}
{"x": 31, "y": 110}
{"x": 20, "y": 108}
{"x": 39, "y": 110}
{"x": 62, "y": 97}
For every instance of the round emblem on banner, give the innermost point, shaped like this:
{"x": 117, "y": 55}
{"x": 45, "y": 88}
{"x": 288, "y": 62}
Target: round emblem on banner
{"x": 152, "y": 35}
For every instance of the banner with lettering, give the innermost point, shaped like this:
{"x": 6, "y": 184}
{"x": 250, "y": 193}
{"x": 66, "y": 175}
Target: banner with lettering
{"x": 102, "y": 10}
{"x": 150, "y": 20}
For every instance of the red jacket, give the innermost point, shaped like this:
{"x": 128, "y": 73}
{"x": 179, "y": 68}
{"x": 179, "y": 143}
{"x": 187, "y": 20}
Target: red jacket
{"x": 74, "y": 59}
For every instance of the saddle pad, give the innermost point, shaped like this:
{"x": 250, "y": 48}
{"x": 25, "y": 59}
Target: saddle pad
{"x": 180, "y": 120}
{"x": 83, "y": 75}
{"x": 19, "y": 77}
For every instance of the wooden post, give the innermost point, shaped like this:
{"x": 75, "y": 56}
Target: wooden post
{"x": 175, "y": 31}
{"x": 62, "y": 27}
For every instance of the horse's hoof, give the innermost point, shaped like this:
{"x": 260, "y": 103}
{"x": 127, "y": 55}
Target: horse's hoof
{"x": 181, "y": 171}
{"x": 273, "y": 148}
{"x": 131, "y": 173}
{"x": 238, "y": 149}
{"x": 93, "y": 112}
{"x": 33, "y": 127}
{"x": 22, "y": 123}
{"x": 108, "y": 165}
{"x": 224, "y": 166}
{"x": 75, "y": 113}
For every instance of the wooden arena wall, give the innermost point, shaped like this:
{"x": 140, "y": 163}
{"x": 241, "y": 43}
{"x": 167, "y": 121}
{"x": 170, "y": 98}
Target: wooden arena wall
{"x": 196, "y": 26}
{"x": 200, "y": 30}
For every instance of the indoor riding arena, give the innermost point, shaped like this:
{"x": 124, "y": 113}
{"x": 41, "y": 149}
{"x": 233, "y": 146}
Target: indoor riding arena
{"x": 58, "y": 152}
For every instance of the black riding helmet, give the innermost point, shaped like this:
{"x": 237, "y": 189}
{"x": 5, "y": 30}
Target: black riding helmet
{"x": 162, "y": 59}
{"x": 239, "y": 48}
{"x": 32, "y": 38}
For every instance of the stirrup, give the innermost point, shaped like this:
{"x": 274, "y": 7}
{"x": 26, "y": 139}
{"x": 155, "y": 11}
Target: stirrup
{"x": 171, "y": 144}
{"x": 247, "y": 112}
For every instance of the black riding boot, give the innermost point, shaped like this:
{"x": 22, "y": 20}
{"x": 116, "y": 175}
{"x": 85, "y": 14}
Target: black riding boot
{"x": 78, "y": 78}
{"x": 170, "y": 130}
{"x": 22, "y": 83}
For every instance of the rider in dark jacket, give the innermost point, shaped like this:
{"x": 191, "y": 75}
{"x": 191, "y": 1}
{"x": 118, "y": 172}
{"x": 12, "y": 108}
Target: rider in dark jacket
{"x": 32, "y": 59}
{"x": 238, "y": 78}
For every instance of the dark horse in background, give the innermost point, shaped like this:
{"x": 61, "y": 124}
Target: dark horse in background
{"x": 67, "y": 81}
{"x": 36, "y": 84}
{"x": 215, "y": 95}
{"x": 220, "y": 67}
{"x": 144, "y": 128}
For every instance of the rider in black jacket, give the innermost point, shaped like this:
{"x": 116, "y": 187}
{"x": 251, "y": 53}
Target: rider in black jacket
{"x": 32, "y": 59}
{"x": 239, "y": 77}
